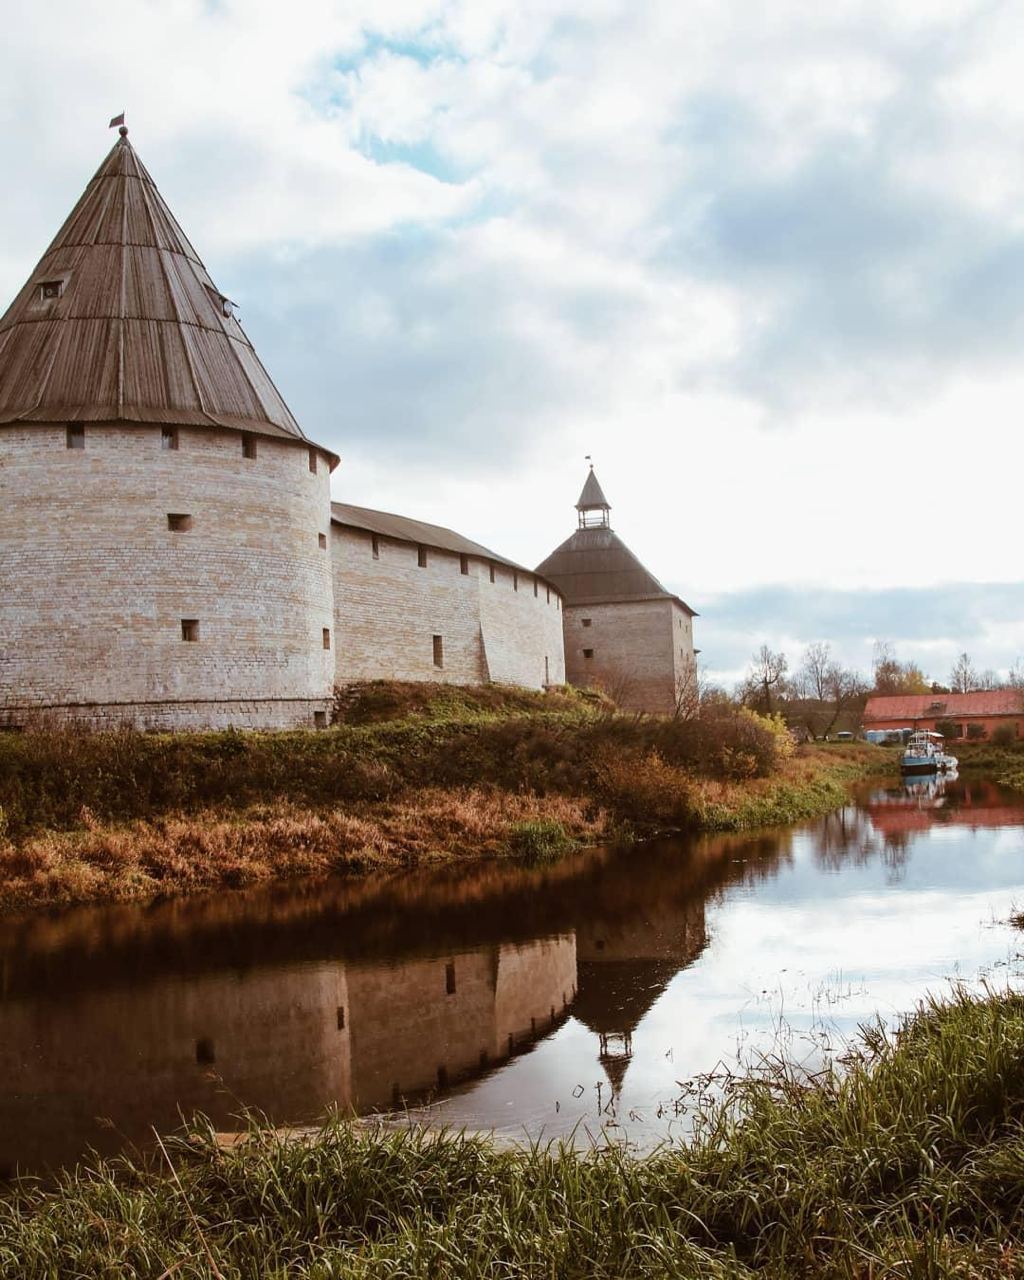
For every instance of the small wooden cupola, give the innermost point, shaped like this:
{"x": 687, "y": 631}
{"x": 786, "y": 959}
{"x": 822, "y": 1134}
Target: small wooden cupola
{"x": 593, "y": 507}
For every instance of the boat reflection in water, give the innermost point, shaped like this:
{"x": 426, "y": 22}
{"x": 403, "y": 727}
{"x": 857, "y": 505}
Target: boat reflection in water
{"x": 948, "y": 800}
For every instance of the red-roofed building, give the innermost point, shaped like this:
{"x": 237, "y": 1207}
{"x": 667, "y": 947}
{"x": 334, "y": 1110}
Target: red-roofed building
{"x": 971, "y": 715}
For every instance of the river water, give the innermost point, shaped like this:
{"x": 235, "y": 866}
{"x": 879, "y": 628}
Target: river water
{"x": 572, "y": 999}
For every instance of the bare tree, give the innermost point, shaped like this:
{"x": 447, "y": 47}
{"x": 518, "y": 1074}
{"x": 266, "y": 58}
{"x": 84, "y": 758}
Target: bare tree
{"x": 765, "y": 679}
{"x": 844, "y": 688}
{"x": 828, "y": 689}
{"x": 815, "y": 669}
{"x": 989, "y": 679}
{"x": 963, "y": 678}
{"x": 689, "y": 692}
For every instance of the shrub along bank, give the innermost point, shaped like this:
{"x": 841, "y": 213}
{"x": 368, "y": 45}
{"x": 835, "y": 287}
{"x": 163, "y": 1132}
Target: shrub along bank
{"x": 909, "y": 1164}
{"x": 410, "y": 773}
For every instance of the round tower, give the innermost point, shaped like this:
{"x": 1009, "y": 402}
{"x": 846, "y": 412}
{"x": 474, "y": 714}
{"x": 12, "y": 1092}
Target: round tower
{"x": 164, "y": 522}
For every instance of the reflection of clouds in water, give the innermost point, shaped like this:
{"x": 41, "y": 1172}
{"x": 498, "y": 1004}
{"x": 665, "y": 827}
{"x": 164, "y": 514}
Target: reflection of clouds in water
{"x": 800, "y": 956}
{"x": 579, "y": 994}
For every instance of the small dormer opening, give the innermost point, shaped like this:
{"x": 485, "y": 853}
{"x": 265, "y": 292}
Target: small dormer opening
{"x": 224, "y": 305}
{"x": 50, "y": 289}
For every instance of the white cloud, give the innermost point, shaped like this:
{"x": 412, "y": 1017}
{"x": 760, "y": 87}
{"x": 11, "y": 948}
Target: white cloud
{"x": 763, "y": 264}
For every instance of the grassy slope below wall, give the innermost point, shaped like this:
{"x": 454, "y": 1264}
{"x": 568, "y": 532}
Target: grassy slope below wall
{"x": 909, "y": 1165}
{"x": 413, "y": 773}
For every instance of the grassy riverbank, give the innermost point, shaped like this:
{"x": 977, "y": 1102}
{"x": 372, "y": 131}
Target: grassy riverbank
{"x": 411, "y": 775}
{"x": 1004, "y": 762}
{"x": 911, "y": 1164}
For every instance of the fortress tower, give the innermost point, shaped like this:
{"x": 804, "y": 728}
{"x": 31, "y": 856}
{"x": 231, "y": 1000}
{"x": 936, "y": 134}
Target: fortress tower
{"x": 623, "y": 632}
{"x": 164, "y": 522}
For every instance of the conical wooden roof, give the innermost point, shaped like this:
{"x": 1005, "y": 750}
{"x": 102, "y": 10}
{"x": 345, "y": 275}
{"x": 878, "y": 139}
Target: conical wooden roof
{"x": 594, "y": 566}
{"x": 592, "y": 498}
{"x": 120, "y": 322}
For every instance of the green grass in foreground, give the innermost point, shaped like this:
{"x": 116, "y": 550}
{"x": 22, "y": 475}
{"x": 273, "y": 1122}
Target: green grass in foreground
{"x": 909, "y": 1165}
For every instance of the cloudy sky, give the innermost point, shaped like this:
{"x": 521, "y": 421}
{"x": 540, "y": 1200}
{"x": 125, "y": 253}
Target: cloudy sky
{"x": 764, "y": 262}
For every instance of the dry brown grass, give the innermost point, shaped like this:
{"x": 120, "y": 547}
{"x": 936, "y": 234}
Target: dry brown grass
{"x": 181, "y": 853}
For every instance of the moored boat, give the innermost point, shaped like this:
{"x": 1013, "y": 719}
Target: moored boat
{"x": 924, "y": 753}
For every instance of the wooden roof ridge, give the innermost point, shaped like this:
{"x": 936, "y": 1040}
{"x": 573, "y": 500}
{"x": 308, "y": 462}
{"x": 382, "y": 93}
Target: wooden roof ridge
{"x": 134, "y": 330}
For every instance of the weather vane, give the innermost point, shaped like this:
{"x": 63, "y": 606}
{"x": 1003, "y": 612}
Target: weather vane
{"x": 119, "y": 120}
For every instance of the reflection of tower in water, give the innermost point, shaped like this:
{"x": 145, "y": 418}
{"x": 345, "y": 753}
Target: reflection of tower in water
{"x": 624, "y": 965}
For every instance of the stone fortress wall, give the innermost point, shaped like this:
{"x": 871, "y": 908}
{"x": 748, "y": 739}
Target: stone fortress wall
{"x": 393, "y": 598}
{"x": 98, "y": 592}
